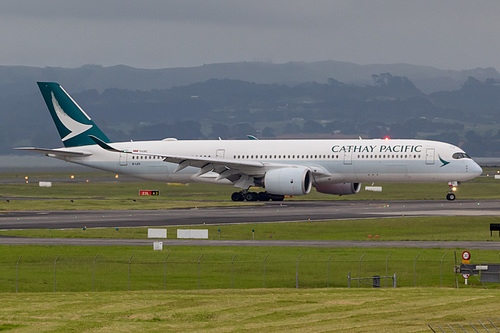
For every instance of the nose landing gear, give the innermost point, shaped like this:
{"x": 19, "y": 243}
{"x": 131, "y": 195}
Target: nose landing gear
{"x": 451, "y": 193}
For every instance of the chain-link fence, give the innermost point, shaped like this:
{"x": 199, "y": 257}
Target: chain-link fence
{"x": 173, "y": 272}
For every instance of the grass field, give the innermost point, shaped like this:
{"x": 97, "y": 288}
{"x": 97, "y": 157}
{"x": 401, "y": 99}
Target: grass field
{"x": 103, "y": 191}
{"x": 33, "y": 268}
{"x": 258, "y": 310}
{"x": 110, "y": 271}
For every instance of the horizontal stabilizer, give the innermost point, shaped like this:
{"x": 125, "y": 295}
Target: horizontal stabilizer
{"x": 55, "y": 152}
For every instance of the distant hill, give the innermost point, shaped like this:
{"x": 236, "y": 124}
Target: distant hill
{"x": 14, "y": 79}
{"x": 323, "y": 99}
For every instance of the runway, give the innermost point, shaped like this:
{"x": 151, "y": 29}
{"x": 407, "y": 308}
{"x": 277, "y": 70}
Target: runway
{"x": 268, "y": 212}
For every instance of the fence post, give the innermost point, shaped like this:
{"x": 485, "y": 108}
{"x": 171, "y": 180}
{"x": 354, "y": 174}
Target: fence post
{"x": 17, "y": 273}
{"x": 386, "y": 266}
{"x": 456, "y": 279}
{"x": 93, "y": 272}
{"x": 129, "y": 261}
{"x": 349, "y": 280}
{"x": 297, "y": 273}
{"x": 328, "y": 271}
{"x": 165, "y": 286}
{"x": 199, "y": 260}
{"x": 415, "y": 270}
{"x": 359, "y": 274}
{"x": 55, "y": 263}
{"x": 442, "y": 268}
{"x": 232, "y": 262}
{"x": 265, "y": 270}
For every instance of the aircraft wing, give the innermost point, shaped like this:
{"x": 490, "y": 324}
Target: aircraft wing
{"x": 241, "y": 173}
{"x": 61, "y": 153}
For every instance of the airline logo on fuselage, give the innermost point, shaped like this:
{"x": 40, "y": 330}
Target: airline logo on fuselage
{"x": 377, "y": 148}
{"x": 72, "y": 125}
{"x": 443, "y": 161}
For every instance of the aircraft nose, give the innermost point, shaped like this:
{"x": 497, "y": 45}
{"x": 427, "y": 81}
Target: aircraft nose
{"x": 475, "y": 169}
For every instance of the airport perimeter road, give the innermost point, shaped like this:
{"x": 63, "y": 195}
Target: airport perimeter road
{"x": 268, "y": 212}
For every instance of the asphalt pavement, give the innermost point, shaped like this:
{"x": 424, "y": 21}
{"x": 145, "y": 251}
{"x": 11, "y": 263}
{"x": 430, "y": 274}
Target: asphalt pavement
{"x": 269, "y": 212}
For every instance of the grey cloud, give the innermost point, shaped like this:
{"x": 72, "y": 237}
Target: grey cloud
{"x": 217, "y": 12}
{"x": 163, "y": 33}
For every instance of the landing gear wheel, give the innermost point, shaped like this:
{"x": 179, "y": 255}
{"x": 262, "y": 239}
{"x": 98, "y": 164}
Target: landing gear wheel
{"x": 251, "y": 196}
{"x": 237, "y": 196}
{"x": 276, "y": 197}
{"x": 264, "y": 196}
{"x": 450, "y": 196}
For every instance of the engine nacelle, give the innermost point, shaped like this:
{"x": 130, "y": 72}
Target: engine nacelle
{"x": 339, "y": 188}
{"x": 288, "y": 181}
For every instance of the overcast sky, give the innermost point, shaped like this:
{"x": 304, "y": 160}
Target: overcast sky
{"x": 447, "y": 34}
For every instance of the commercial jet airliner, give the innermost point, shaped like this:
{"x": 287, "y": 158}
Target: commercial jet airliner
{"x": 281, "y": 167}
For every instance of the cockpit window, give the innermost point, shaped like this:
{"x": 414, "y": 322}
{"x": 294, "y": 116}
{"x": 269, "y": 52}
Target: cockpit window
{"x": 458, "y": 156}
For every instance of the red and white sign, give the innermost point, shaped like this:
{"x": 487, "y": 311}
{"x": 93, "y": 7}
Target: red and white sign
{"x": 148, "y": 192}
{"x": 466, "y": 276}
{"x": 466, "y": 255}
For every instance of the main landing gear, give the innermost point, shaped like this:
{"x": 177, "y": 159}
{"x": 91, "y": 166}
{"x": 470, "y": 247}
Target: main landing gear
{"x": 254, "y": 196}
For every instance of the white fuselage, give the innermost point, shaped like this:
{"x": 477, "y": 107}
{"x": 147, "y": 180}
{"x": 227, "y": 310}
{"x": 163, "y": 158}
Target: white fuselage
{"x": 343, "y": 161}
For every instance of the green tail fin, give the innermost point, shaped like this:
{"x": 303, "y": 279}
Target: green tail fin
{"x": 73, "y": 124}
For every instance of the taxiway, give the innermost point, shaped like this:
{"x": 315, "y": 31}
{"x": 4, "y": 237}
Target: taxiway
{"x": 269, "y": 212}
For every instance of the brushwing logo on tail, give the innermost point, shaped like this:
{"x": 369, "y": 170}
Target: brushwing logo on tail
{"x": 72, "y": 125}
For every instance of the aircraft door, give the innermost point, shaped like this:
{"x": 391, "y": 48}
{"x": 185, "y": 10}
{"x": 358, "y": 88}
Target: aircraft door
{"x": 430, "y": 156}
{"x": 123, "y": 159}
{"x": 348, "y": 158}
{"x": 220, "y": 153}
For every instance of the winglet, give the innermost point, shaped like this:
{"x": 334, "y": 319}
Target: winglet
{"x": 104, "y": 145}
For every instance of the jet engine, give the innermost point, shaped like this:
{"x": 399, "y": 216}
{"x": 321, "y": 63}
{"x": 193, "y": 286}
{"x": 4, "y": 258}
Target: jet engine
{"x": 288, "y": 181}
{"x": 339, "y": 188}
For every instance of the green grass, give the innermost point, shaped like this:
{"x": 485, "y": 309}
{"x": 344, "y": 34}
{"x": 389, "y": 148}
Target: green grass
{"x": 247, "y": 307}
{"x": 103, "y": 191}
{"x": 270, "y": 310}
{"x": 107, "y": 268}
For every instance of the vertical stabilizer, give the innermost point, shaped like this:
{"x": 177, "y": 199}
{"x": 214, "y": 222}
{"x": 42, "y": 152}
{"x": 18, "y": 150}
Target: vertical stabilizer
{"x": 73, "y": 124}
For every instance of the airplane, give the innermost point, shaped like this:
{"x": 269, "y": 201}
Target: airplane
{"x": 281, "y": 167}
